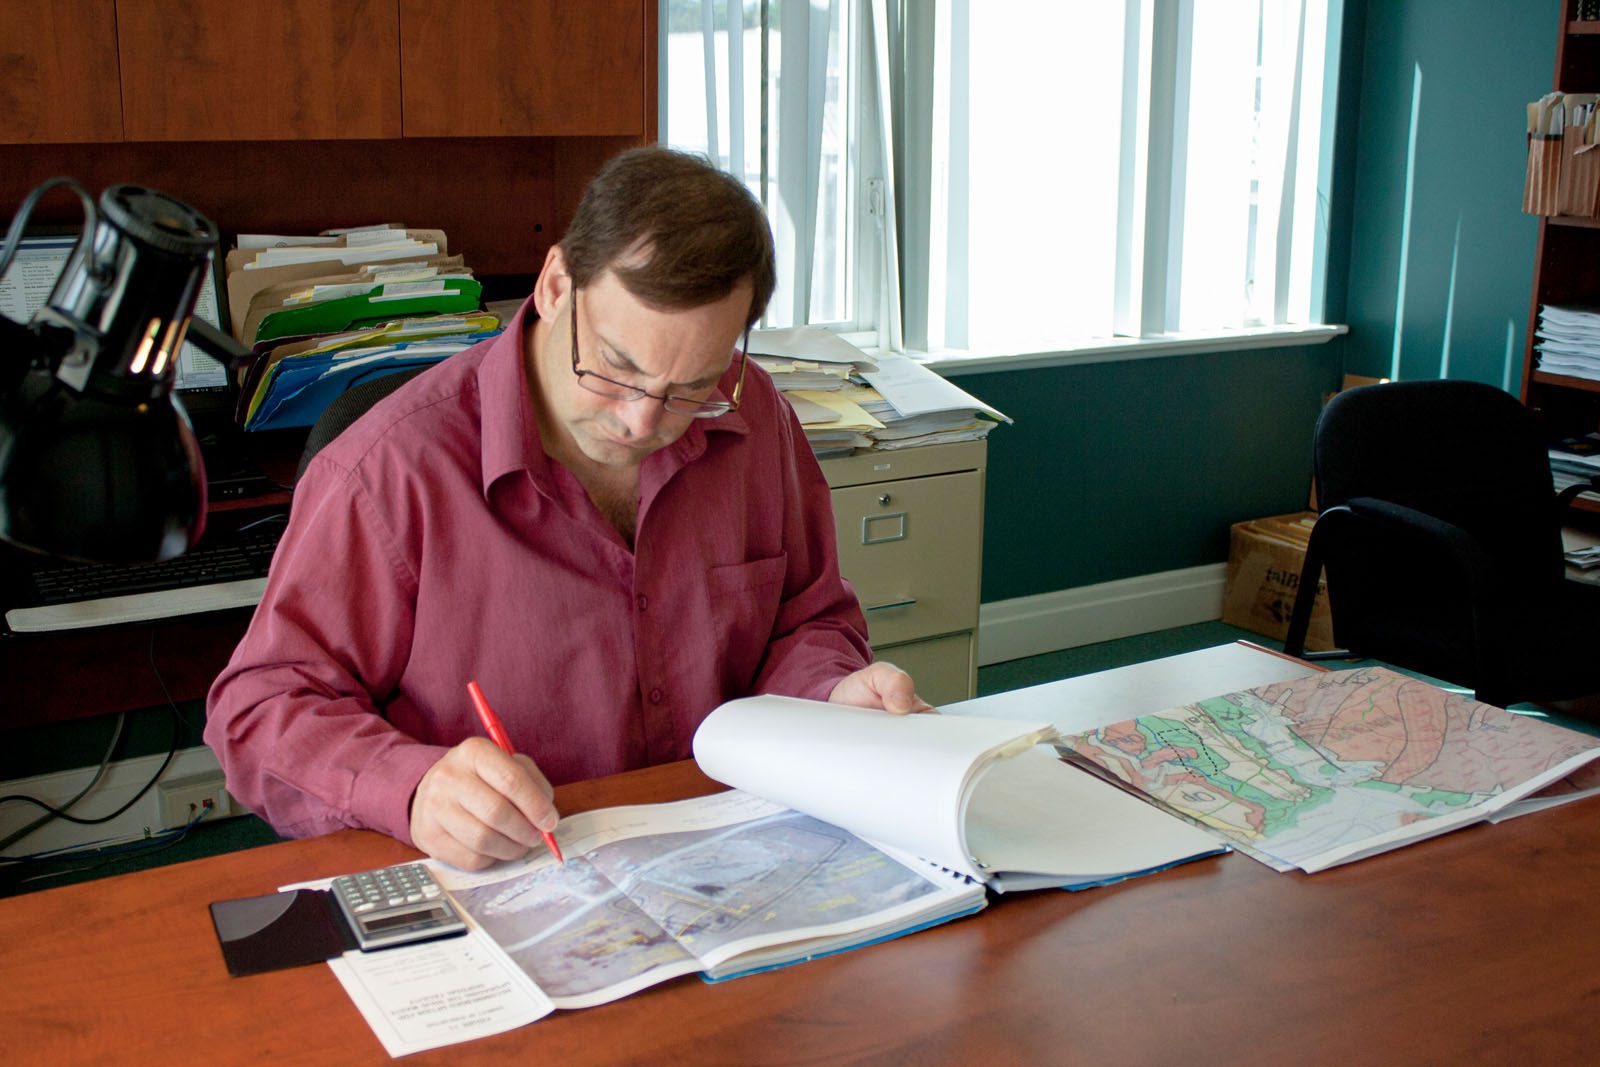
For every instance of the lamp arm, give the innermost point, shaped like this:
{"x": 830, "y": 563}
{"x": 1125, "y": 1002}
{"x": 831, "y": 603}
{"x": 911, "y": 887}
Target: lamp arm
{"x": 28, "y": 348}
{"x": 216, "y": 344}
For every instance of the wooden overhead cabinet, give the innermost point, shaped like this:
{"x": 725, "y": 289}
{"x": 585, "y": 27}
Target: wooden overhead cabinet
{"x": 526, "y": 68}
{"x": 60, "y": 82}
{"x": 259, "y": 70}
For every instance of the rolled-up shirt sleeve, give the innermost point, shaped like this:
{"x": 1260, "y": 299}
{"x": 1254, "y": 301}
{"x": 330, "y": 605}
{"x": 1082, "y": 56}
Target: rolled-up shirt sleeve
{"x": 292, "y": 717}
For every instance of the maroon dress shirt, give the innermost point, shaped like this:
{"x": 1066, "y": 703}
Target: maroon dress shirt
{"x": 435, "y": 542}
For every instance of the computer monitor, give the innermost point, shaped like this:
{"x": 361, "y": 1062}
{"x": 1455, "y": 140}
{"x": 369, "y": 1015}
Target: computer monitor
{"x": 44, "y": 252}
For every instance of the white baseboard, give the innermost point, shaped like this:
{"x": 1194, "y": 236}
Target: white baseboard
{"x": 1067, "y": 618}
{"x": 122, "y": 780}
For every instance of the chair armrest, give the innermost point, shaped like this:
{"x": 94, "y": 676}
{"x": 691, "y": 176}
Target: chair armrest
{"x": 1452, "y": 548}
{"x": 1462, "y": 549}
{"x": 1565, "y": 498}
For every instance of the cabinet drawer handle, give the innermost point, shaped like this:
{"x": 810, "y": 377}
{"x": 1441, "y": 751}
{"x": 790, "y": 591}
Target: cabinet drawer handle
{"x": 895, "y": 532}
{"x": 906, "y": 603}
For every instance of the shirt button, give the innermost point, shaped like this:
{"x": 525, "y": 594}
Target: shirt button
{"x": 642, "y": 600}
{"x": 655, "y": 696}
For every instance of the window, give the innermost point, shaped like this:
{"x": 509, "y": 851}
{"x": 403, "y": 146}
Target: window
{"x": 771, "y": 92}
{"x": 1061, "y": 174}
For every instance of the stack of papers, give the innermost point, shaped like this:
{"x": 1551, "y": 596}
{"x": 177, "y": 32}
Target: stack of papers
{"x": 326, "y": 312}
{"x": 924, "y": 408}
{"x": 1576, "y": 460}
{"x": 848, "y": 400}
{"x": 1569, "y": 341}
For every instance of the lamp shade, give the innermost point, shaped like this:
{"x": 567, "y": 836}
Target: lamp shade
{"x": 98, "y": 461}
{"x": 93, "y": 478}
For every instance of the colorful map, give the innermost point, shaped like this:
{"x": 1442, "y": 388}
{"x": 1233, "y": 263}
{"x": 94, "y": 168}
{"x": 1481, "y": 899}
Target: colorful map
{"x": 1332, "y": 767}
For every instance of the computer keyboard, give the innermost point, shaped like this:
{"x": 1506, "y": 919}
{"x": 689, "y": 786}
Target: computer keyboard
{"x": 225, "y": 572}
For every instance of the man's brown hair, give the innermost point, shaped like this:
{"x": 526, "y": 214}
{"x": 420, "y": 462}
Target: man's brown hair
{"x": 686, "y": 231}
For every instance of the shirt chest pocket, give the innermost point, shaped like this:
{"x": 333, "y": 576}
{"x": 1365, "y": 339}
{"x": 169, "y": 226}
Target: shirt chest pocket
{"x": 744, "y": 606}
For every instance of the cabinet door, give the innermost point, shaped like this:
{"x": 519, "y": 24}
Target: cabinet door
{"x": 259, "y": 70}
{"x": 59, "y": 64}
{"x": 911, "y": 549}
{"x": 522, "y": 68}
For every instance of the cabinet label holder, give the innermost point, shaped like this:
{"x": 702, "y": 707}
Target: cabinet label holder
{"x": 881, "y": 523}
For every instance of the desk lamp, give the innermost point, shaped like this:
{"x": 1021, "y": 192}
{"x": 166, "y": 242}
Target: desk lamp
{"x": 98, "y": 461}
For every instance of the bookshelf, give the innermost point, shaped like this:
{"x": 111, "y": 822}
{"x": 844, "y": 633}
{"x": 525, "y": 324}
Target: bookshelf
{"x": 1566, "y": 267}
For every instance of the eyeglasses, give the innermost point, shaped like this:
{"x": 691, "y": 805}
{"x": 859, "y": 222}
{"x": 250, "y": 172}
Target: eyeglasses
{"x": 600, "y": 385}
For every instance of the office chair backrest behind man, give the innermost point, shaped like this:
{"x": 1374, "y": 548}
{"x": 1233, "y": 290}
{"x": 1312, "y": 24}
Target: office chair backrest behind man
{"x": 1441, "y": 535}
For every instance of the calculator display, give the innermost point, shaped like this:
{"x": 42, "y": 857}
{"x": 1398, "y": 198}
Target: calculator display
{"x": 406, "y": 918}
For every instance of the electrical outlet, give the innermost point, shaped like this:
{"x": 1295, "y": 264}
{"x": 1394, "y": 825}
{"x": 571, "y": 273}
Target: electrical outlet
{"x": 183, "y": 798}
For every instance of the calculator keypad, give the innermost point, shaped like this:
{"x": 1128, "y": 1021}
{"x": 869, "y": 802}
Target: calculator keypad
{"x": 365, "y": 895}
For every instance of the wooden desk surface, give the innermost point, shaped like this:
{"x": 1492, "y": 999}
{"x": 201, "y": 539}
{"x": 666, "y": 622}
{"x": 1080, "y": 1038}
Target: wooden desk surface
{"x": 1481, "y": 946}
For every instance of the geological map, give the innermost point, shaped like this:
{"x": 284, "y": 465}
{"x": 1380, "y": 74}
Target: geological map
{"x": 1320, "y": 770}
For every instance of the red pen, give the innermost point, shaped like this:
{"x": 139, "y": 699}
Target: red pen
{"x": 497, "y": 734}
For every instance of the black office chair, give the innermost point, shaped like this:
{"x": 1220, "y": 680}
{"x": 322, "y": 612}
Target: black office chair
{"x": 1441, "y": 535}
{"x": 349, "y": 406}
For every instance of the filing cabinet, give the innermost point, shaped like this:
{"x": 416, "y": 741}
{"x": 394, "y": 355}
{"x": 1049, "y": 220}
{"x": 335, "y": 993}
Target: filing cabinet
{"x": 910, "y": 532}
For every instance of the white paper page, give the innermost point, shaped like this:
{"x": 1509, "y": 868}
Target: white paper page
{"x": 1093, "y": 830}
{"x": 899, "y": 779}
{"x": 349, "y": 256}
{"x": 915, "y": 390}
{"x": 438, "y": 993}
{"x": 276, "y": 240}
{"x": 810, "y": 343}
{"x": 345, "y": 364}
{"x": 1075, "y": 705}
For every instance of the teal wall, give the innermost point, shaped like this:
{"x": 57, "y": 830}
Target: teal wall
{"x": 1480, "y": 62}
{"x": 1114, "y": 470}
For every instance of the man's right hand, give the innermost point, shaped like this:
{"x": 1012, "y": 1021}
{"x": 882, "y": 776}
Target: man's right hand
{"x": 478, "y": 805}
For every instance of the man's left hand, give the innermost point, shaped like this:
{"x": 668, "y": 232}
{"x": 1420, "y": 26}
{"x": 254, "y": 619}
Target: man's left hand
{"x": 880, "y": 685}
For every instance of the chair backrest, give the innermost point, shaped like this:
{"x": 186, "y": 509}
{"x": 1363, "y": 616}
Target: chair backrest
{"x": 347, "y": 407}
{"x": 1461, "y": 451}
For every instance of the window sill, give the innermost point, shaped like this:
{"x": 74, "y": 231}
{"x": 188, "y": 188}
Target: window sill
{"x": 955, "y": 363}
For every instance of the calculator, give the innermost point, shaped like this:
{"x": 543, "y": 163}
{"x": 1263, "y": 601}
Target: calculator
{"x": 396, "y": 906}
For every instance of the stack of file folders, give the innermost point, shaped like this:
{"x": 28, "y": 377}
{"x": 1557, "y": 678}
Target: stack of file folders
{"x": 848, "y": 400}
{"x": 1569, "y": 341}
{"x": 322, "y": 314}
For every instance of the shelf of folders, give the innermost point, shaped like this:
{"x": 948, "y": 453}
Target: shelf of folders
{"x": 847, "y": 399}
{"x": 324, "y": 313}
{"x": 1563, "y": 156}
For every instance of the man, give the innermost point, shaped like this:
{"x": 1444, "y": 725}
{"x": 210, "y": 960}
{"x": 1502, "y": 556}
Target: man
{"x": 603, "y": 515}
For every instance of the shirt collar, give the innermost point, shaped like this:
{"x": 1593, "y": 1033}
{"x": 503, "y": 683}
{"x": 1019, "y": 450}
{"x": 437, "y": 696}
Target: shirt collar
{"x": 510, "y": 442}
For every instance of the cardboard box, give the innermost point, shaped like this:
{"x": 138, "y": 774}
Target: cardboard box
{"x": 1265, "y": 557}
